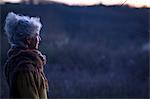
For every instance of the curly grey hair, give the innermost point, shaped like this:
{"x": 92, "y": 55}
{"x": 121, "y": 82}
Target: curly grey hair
{"x": 17, "y": 27}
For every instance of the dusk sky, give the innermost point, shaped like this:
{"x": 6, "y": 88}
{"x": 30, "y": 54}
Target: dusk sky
{"x": 134, "y": 3}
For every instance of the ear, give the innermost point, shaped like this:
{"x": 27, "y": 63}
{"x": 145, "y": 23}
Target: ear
{"x": 28, "y": 40}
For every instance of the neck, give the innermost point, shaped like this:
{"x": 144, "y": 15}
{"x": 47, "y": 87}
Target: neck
{"x": 23, "y": 47}
{"x": 14, "y": 46}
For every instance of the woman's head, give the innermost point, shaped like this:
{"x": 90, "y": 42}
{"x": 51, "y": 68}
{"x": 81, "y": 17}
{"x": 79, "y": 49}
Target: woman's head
{"x": 22, "y": 30}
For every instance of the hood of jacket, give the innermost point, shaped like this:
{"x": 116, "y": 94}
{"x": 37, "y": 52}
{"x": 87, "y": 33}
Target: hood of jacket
{"x": 23, "y": 60}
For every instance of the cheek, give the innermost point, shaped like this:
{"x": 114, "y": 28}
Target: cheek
{"x": 37, "y": 41}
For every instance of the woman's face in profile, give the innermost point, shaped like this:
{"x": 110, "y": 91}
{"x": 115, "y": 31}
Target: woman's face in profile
{"x": 33, "y": 42}
{"x": 38, "y": 39}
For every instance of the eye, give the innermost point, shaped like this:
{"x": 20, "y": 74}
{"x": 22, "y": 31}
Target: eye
{"x": 39, "y": 38}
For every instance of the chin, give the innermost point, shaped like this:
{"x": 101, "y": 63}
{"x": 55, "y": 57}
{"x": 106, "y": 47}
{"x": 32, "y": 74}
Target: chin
{"x": 33, "y": 48}
{"x": 36, "y": 47}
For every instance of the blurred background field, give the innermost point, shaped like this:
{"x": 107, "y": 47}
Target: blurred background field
{"x": 92, "y": 51}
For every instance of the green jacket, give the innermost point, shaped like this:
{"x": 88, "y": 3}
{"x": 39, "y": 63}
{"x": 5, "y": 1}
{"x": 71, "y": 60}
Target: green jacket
{"x": 25, "y": 76}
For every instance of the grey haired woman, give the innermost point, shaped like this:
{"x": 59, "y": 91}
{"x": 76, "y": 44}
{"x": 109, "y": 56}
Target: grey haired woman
{"x": 24, "y": 66}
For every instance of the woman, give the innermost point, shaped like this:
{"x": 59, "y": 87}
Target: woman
{"x": 24, "y": 66}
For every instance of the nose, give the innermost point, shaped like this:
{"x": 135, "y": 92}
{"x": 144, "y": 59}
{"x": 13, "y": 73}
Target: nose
{"x": 39, "y": 38}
